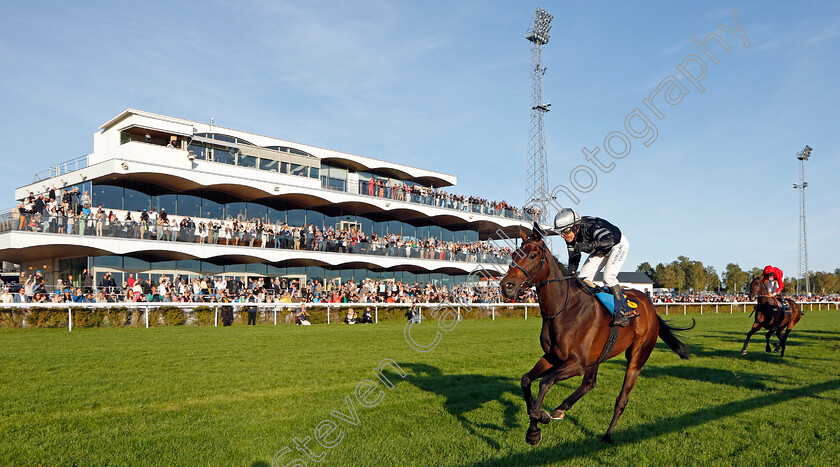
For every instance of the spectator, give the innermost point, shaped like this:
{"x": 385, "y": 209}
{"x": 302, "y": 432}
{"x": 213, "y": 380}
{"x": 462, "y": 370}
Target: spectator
{"x": 351, "y": 316}
{"x": 252, "y": 309}
{"x": 302, "y": 316}
{"x": 6, "y": 296}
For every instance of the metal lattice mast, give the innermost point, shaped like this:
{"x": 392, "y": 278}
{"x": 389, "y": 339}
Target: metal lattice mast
{"x": 536, "y": 183}
{"x": 803, "y": 156}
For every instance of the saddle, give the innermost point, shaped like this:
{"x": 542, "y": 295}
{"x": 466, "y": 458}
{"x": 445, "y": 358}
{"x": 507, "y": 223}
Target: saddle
{"x": 629, "y": 306}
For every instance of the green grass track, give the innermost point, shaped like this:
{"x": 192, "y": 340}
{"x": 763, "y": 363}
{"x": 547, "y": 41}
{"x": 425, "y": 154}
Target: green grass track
{"x": 239, "y": 395}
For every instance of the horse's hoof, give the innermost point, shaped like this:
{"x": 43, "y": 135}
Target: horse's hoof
{"x": 533, "y": 436}
{"x": 607, "y": 438}
{"x": 743, "y": 352}
{"x": 558, "y": 414}
{"x": 545, "y": 418}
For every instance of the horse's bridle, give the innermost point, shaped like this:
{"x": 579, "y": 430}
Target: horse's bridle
{"x": 536, "y": 271}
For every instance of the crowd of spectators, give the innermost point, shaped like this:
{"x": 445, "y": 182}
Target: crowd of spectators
{"x": 82, "y": 289}
{"x": 426, "y": 195}
{"x": 33, "y": 288}
{"x": 75, "y": 216}
{"x": 698, "y": 298}
{"x": 732, "y": 298}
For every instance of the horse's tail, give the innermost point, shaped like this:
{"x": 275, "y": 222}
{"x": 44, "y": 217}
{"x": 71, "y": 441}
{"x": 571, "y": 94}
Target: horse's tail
{"x": 669, "y": 335}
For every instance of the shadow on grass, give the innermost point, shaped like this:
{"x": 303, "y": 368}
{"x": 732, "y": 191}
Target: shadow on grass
{"x": 581, "y": 449}
{"x": 711, "y": 375}
{"x": 803, "y": 334}
{"x": 465, "y": 393}
{"x": 735, "y": 341}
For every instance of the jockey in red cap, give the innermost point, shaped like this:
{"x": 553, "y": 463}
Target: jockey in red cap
{"x": 774, "y": 279}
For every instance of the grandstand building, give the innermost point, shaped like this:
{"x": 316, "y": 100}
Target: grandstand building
{"x": 242, "y": 205}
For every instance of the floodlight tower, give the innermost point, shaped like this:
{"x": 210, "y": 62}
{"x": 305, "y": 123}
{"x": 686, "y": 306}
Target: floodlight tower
{"x": 536, "y": 187}
{"x": 803, "y": 156}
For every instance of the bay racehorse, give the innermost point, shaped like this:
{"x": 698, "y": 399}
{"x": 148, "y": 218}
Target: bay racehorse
{"x": 769, "y": 315}
{"x": 575, "y": 330}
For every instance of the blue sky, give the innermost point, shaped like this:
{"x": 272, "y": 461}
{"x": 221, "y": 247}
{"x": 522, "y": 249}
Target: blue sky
{"x": 445, "y": 86}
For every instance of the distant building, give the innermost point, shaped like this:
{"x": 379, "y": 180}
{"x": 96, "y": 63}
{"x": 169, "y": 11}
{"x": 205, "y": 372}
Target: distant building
{"x": 225, "y": 179}
{"x": 631, "y": 280}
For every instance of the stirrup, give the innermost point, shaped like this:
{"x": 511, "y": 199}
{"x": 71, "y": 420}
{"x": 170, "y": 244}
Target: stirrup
{"x": 620, "y": 320}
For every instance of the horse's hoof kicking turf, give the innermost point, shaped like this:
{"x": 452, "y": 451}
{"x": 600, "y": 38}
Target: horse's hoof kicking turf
{"x": 558, "y": 415}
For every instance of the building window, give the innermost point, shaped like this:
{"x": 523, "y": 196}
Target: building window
{"x": 199, "y": 150}
{"x": 108, "y": 196}
{"x": 269, "y": 165}
{"x": 224, "y": 156}
{"x": 211, "y": 209}
{"x": 135, "y": 200}
{"x": 189, "y": 205}
{"x": 168, "y": 202}
{"x": 236, "y": 211}
{"x": 247, "y": 161}
{"x": 299, "y": 170}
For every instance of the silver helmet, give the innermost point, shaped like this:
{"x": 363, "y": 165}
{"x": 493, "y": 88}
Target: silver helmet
{"x": 567, "y": 217}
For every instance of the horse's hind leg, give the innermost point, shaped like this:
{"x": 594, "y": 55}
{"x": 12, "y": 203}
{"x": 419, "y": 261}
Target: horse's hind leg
{"x": 767, "y": 346}
{"x": 638, "y": 357}
{"x": 588, "y": 383}
{"x": 783, "y": 339}
{"x": 753, "y": 330}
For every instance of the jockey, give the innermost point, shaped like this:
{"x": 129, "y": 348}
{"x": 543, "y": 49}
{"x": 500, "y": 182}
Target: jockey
{"x": 774, "y": 280}
{"x": 607, "y": 249}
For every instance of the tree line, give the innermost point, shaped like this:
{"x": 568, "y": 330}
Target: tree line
{"x": 685, "y": 275}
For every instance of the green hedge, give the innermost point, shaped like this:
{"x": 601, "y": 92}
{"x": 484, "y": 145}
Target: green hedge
{"x": 167, "y": 315}
{"x": 206, "y": 316}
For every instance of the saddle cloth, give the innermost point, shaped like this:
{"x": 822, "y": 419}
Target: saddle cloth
{"x": 608, "y": 301}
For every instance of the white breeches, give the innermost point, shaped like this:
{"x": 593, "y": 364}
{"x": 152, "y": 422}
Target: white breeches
{"x": 611, "y": 263}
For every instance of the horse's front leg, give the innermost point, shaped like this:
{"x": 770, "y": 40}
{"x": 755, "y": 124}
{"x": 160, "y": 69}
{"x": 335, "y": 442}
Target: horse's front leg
{"x": 755, "y": 328}
{"x": 767, "y": 346}
{"x": 590, "y": 377}
{"x": 560, "y": 372}
{"x": 533, "y": 435}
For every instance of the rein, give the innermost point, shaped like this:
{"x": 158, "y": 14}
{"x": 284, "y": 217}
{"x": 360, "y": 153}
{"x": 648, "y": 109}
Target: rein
{"x": 536, "y": 271}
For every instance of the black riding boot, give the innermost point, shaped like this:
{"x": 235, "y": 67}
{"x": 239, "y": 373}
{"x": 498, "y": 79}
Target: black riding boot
{"x": 618, "y": 315}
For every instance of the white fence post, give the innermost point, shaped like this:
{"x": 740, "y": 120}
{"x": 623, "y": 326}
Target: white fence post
{"x": 526, "y": 312}
{"x": 493, "y": 313}
{"x": 147, "y": 317}
{"x": 701, "y": 309}
{"x": 666, "y": 309}
{"x": 684, "y": 308}
{"x": 70, "y": 320}
{"x": 275, "y": 315}
{"x": 376, "y": 314}
{"x": 328, "y": 315}
{"x": 215, "y": 316}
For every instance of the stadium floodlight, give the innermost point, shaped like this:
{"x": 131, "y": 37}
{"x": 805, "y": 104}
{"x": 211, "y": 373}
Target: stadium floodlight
{"x": 538, "y": 33}
{"x": 803, "y": 156}
{"x": 536, "y": 182}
